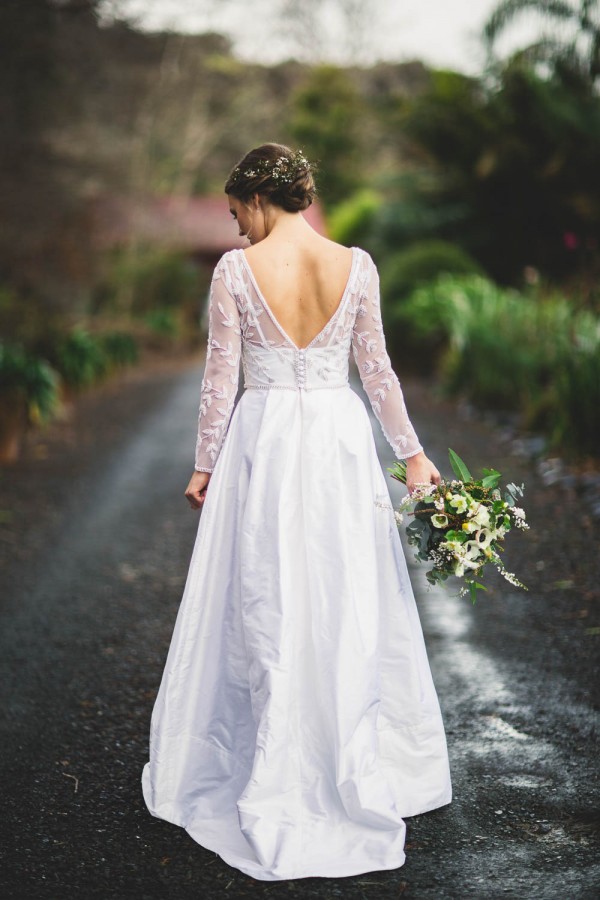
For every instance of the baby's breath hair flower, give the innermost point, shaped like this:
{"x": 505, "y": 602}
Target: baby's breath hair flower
{"x": 282, "y": 170}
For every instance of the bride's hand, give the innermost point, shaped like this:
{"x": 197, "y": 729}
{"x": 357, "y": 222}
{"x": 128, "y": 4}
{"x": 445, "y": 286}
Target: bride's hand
{"x": 195, "y": 492}
{"x": 420, "y": 470}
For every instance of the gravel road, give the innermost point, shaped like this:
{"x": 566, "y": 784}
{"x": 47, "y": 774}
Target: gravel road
{"x": 96, "y": 538}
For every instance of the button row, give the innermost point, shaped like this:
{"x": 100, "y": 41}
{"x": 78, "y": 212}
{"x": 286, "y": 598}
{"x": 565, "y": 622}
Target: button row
{"x": 301, "y": 369}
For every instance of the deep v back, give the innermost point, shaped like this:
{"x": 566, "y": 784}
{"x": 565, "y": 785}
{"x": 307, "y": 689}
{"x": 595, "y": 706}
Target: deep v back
{"x": 243, "y": 329}
{"x": 328, "y": 324}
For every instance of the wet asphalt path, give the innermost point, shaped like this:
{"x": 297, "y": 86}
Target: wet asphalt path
{"x": 90, "y": 594}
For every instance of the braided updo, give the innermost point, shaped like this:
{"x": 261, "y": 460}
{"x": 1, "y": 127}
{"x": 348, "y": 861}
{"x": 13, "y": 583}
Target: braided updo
{"x": 284, "y": 176}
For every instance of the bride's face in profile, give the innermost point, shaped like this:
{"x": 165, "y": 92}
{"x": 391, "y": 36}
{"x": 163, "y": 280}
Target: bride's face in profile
{"x": 249, "y": 216}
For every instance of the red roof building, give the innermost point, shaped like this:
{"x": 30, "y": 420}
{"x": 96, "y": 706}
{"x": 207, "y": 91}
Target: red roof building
{"x": 200, "y": 226}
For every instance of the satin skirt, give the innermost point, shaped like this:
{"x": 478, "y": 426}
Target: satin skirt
{"x": 297, "y": 722}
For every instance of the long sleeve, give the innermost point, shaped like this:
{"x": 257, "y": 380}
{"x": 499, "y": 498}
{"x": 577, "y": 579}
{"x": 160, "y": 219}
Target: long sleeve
{"x": 221, "y": 372}
{"x": 379, "y": 379}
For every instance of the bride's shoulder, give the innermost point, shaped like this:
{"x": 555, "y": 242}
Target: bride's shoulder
{"x": 226, "y": 260}
{"x": 365, "y": 257}
{"x": 360, "y": 251}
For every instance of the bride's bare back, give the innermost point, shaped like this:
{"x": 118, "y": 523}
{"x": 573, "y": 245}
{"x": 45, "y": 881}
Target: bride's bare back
{"x": 303, "y": 284}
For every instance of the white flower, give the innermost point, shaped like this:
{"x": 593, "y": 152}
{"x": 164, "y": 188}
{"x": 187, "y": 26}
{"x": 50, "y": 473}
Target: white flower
{"x": 473, "y": 507}
{"x": 474, "y": 550}
{"x": 398, "y": 517}
{"x": 455, "y": 547}
{"x": 439, "y": 520}
{"x": 518, "y": 512}
{"x": 458, "y": 502}
{"x": 484, "y": 538}
{"x": 422, "y": 490}
{"x": 482, "y": 517}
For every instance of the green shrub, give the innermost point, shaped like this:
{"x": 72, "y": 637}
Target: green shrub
{"x": 418, "y": 264}
{"x": 350, "y": 222}
{"x": 80, "y": 358}
{"x": 120, "y": 348}
{"x": 577, "y": 406}
{"x": 503, "y": 350}
{"x": 162, "y": 321}
{"x": 28, "y": 380}
{"x": 146, "y": 279}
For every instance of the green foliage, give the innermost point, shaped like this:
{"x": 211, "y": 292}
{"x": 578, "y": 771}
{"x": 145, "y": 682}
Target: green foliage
{"x": 508, "y": 351}
{"x": 576, "y": 60}
{"x": 80, "y": 358}
{"x": 576, "y": 410}
{"x": 162, "y": 321}
{"x": 29, "y": 380}
{"x": 325, "y": 122}
{"x": 120, "y": 348}
{"x": 83, "y": 358}
{"x": 458, "y": 466}
{"x": 513, "y": 172}
{"x": 147, "y": 278}
{"x": 351, "y": 222}
{"x": 421, "y": 262}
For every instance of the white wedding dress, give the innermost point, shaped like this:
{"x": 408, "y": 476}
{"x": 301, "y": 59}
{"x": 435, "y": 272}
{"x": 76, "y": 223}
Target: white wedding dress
{"x": 297, "y": 722}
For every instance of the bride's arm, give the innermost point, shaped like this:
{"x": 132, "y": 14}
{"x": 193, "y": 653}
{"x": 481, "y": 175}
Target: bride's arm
{"x": 382, "y": 386}
{"x": 221, "y": 372}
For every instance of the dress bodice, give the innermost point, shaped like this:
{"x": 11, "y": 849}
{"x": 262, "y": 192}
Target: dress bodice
{"x": 295, "y": 369}
{"x": 242, "y": 328}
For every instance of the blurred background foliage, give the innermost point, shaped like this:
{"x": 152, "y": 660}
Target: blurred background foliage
{"x": 478, "y": 197}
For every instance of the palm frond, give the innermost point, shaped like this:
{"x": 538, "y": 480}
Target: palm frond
{"x": 508, "y": 10}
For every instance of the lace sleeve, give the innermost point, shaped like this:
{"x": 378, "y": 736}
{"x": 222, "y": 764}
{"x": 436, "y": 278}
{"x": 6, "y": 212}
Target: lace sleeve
{"x": 379, "y": 379}
{"x": 221, "y": 371}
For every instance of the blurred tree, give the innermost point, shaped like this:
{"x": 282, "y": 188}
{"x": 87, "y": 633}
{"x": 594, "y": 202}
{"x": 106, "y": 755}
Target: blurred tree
{"x": 34, "y": 204}
{"x": 574, "y": 59}
{"x": 513, "y": 174}
{"x": 325, "y": 120}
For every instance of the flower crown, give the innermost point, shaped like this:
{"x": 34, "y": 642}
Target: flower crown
{"x": 283, "y": 170}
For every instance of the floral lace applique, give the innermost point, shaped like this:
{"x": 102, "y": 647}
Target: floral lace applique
{"x": 379, "y": 380}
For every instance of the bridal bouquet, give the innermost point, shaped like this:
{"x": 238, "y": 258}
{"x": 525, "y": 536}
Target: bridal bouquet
{"x": 459, "y": 525}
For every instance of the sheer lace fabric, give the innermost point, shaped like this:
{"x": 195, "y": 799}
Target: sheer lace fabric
{"x": 242, "y": 328}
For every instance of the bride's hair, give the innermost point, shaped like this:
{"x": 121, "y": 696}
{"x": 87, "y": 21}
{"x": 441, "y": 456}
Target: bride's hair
{"x": 284, "y": 176}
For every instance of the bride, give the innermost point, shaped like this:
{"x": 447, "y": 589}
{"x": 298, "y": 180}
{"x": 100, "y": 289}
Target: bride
{"x": 296, "y": 724}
